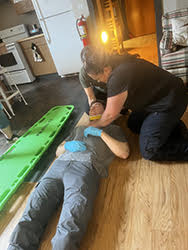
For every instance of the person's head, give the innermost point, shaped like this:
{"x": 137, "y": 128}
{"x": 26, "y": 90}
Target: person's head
{"x": 96, "y": 63}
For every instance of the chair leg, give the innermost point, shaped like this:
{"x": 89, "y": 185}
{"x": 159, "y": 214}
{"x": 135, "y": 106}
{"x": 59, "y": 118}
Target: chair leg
{"x": 9, "y": 116}
{"x": 22, "y": 96}
{"x": 6, "y": 101}
{"x": 7, "y": 132}
{"x": 13, "y": 83}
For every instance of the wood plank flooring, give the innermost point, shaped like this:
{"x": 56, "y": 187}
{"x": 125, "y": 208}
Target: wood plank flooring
{"x": 142, "y": 205}
{"x": 10, "y": 216}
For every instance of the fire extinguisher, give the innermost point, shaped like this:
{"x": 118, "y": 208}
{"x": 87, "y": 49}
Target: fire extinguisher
{"x": 82, "y": 29}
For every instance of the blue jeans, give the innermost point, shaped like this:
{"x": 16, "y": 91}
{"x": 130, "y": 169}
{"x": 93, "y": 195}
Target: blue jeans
{"x": 74, "y": 183}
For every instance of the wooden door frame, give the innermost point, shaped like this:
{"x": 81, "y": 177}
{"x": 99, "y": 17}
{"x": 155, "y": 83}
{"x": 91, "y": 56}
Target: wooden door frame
{"x": 158, "y": 14}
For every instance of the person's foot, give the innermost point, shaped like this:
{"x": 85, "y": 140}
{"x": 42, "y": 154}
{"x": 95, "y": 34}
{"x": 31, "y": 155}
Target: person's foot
{"x": 13, "y": 138}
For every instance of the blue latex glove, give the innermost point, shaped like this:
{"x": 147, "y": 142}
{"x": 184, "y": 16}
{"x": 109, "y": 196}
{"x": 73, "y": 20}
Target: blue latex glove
{"x": 75, "y": 146}
{"x": 92, "y": 131}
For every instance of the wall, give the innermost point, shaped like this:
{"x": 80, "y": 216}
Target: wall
{"x": 181, "y": 4}
{"x": 170, "y": 5}
{"x": 9, "y": 18}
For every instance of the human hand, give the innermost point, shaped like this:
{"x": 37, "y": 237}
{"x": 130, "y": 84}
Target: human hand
{"x": 75, "y": 146}
{"x": 96, "y": 109}
{"x": 92, "y": 131}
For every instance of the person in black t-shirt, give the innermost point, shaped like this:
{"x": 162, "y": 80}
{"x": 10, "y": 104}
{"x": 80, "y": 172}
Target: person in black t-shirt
{"x": 156, "y": 98}
{"x": 96, "y": 91}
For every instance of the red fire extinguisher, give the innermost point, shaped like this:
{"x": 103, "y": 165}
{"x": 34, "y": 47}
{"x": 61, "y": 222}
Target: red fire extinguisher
{"x": 82, "y": 29}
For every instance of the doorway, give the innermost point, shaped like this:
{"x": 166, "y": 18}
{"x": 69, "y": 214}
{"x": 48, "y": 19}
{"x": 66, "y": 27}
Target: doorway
{"x": 130, "y": 25}
{"x": 140, "y": 17}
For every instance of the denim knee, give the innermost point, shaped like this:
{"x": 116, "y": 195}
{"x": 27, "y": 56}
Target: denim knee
{"x": 148, "y": 154}
{"x": 149, "y": 150}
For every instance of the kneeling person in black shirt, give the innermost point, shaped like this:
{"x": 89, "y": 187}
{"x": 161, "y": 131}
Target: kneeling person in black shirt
{"x": 156, "y": 98}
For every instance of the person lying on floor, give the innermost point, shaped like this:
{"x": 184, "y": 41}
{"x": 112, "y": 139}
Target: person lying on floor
{"x": 73, "y": 178}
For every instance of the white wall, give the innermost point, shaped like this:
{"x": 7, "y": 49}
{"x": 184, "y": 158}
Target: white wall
{"x": 9, "y": 18}
{"x": 170, "y": 5}
{"x": 80, "y": 7}
{"x": 181, "y": 4}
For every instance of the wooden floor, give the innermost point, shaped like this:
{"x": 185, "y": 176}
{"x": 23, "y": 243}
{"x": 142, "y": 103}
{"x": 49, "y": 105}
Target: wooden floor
{"x": 142, "y": 205}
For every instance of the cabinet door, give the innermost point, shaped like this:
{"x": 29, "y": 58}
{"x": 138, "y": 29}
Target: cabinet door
{"x": 39, "y": 68}
{"x": 23, "y": 6}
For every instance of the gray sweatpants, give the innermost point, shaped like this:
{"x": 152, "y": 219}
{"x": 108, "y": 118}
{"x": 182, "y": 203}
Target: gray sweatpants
{"x": 75, "y": 183}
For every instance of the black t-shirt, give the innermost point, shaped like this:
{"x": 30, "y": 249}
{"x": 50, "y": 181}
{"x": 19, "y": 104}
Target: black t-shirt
{"x": 149, "y": 87}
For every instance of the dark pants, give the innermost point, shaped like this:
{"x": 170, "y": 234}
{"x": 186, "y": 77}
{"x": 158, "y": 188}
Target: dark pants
{"x": 161, "y": 137}
{"x": 74, "y": 182}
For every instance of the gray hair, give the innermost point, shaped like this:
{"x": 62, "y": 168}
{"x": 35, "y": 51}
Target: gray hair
{"x": 94, "y": 59}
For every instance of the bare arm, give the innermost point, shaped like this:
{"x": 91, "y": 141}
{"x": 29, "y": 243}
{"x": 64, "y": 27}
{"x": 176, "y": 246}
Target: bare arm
{"x": 120, "y": 149}
{"x": 113, "y": 108}
{"x": 96, "y": 108}
{"x": 90, "y": 95}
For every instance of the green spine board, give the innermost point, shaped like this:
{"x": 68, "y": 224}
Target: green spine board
{"x": 23, "y": 155}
